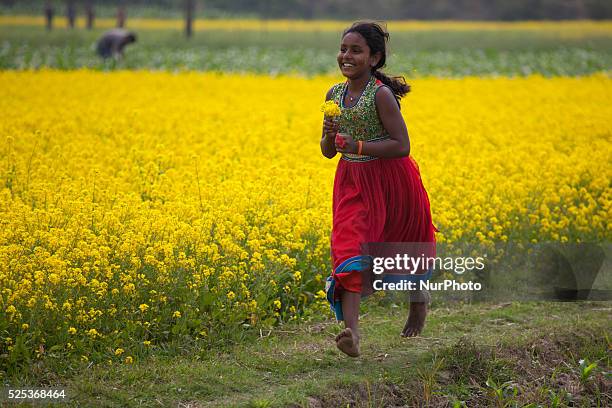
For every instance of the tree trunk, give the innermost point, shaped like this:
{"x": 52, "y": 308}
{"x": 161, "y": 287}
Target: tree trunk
{"x": 89, "y": 11}
{"x": 121, "y": 15}
{"x": 189, "y": 12}
{"x": 49, "y": 15}
{"x": 475, "y": 10}
{"x": 70, "y": 13}
{"x": 581, "y": 12}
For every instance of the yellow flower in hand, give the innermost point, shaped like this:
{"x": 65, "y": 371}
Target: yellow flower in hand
{"x": 330, "y": 109}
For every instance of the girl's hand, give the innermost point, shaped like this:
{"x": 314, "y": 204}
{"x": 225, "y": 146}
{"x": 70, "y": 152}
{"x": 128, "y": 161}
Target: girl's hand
{"x": 350, "y": 146}
{"x": 330, "y": 128}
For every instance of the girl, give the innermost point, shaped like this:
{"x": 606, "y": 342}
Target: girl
{"x": 378, "y": 193}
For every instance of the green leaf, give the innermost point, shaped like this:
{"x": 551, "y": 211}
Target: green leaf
{"x": 586, "y": 371}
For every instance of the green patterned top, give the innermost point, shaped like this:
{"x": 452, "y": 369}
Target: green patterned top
{"x": 361, "y": 121}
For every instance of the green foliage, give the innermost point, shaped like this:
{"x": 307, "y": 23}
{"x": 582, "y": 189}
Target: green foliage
{"x": 260, "y": 403}
{"x": 557, "y": 399}
{"x": 585, "y": 369}
{"x": 413, "y": 54}
{"x": 504, "y": 393}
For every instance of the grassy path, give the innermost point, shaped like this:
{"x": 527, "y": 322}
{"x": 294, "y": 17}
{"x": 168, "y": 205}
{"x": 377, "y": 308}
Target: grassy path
{"x": 299, "y": 365}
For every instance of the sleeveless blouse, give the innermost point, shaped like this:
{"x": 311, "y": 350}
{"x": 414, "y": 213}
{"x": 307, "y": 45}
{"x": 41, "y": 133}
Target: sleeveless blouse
{"x": 361, "y": 121}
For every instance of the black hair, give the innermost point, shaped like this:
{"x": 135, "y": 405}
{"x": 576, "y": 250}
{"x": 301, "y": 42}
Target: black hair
{"x": 377, "y": 37}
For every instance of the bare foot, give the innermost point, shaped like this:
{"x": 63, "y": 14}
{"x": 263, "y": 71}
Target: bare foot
{"x": 416, "y": 319}
{"x": 348, "y": 343}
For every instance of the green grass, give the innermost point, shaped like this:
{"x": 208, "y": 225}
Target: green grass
{"x": 438, "y": 53}
{"x": 462, "y": 348}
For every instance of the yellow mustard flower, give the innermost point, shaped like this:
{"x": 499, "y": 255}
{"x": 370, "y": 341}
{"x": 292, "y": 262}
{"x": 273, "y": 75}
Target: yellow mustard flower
{"x": 330, "y": 109}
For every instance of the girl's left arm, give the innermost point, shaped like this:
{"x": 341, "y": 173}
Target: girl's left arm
{"x": 392, "y": 120}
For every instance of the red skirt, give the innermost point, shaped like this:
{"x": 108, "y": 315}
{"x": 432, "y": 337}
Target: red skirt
{"x": 380, "y": 200}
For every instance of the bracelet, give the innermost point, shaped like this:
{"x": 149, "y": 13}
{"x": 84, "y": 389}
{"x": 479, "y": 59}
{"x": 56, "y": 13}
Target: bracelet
{"x": 360, "y": 144}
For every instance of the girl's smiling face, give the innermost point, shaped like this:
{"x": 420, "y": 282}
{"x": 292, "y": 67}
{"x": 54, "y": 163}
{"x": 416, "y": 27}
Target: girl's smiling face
{"x": 354, "y": 58}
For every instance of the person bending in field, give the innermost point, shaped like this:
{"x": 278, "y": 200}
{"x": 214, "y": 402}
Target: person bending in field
{"x": 112, "y": 42}
{"x": 378, "y": 195}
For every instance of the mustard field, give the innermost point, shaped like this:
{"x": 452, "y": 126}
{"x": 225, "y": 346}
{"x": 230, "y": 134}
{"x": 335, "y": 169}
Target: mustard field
{"x": 570, "y": 28}
{"x": 138, "y": 207}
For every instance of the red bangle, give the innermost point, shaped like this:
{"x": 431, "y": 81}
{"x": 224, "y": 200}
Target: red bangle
{"x": 360, "y": 143}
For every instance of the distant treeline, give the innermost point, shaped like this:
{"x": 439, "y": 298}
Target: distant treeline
{"x": 352, "y": 9}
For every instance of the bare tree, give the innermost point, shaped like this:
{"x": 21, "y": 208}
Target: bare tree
{"x": 121, "y": 15}
{"x": 474, "y": 9}
{"x": 189, "y": 12}
{"x": 89, "y": 12}
{"x": 580, "y": 9}
{"x": 49, "y": 15}
{"x": 70, "y": 13}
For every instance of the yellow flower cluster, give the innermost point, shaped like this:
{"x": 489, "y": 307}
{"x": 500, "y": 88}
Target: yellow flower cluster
{"x": 330, "y": 109}
{"x": 135, "y": 207}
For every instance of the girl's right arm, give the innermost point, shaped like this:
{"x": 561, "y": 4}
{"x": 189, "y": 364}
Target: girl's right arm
{"x": 328, "y": 140}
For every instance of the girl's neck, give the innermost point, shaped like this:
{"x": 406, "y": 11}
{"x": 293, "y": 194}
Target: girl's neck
{"x": 355, "y": 86}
